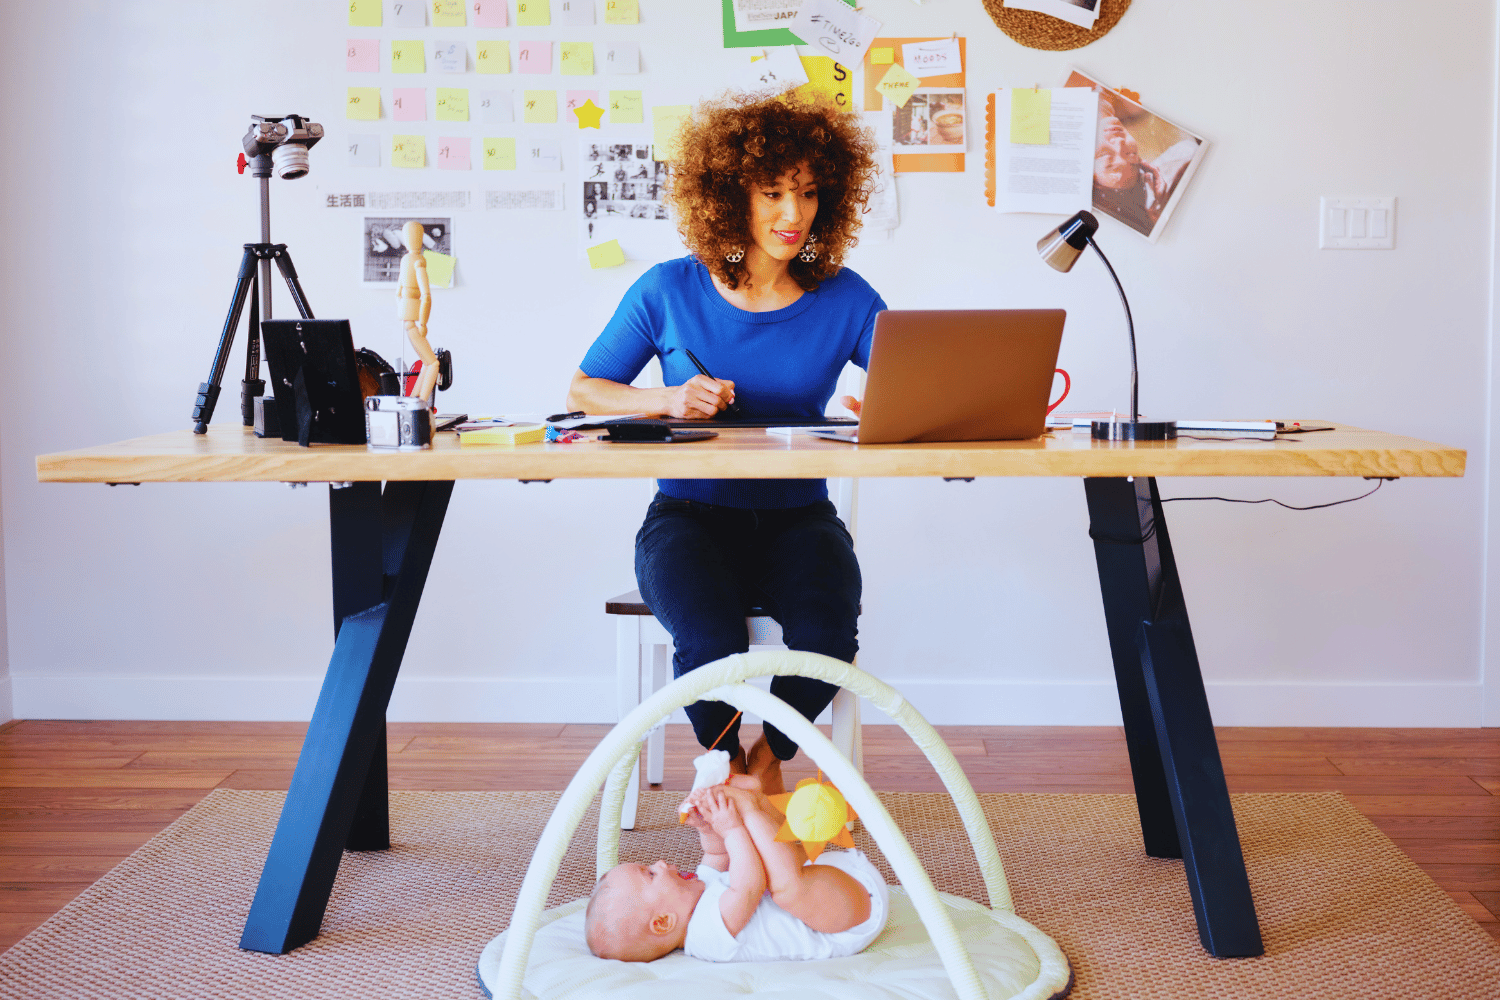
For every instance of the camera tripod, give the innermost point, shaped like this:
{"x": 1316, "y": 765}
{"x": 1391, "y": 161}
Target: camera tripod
{"x": 255, "y": 283}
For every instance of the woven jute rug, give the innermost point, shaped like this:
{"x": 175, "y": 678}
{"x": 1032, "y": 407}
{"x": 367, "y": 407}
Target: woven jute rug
{"x": 1344, "y": 913}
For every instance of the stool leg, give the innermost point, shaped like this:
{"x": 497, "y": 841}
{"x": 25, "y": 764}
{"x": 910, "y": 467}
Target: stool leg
{"x": 845, "y": 720}
{"x": 656, "y": 743}
{"x": 627, "y": 697}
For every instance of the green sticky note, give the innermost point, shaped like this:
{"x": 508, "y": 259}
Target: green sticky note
{"x": 492, "y": 56}
{"x": 577, "y": 58}
{"x": 364, "y": 104}
{"x": 408, "y": 57}
{"x": 533, "y": 13}
{"x": 1031, "y": 116}
{"x": 540, "y": 107}
{"x": 439, "y": 269}
{"x": 499, "y": 154}
{"x": 364, "y": 13}
{"x": 447, "y": 13}
{"x": 606, "y": 255}
{"x": 409, "y": 151}
{"x": 626, "y": 107}
{"x": 666, "y": 122}
{"x": 452, "y": 104}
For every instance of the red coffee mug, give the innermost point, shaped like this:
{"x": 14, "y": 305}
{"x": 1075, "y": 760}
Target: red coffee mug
{"x": 1067, "y": 387}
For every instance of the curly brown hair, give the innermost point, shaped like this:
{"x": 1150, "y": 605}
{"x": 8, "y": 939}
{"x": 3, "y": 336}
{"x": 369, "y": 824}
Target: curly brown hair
{"x": 737, "y": 140}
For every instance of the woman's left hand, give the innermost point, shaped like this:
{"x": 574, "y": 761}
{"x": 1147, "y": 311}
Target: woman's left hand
{"x": 851, "y": 404}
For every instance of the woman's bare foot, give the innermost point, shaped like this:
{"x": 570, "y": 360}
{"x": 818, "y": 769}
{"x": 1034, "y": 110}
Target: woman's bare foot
{"x": 760, "y": 762}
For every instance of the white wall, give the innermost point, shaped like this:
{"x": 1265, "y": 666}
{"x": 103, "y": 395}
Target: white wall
{"x": 211, "y": 601}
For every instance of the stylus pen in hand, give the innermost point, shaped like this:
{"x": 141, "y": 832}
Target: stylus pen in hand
{"x": 733, "y": 407}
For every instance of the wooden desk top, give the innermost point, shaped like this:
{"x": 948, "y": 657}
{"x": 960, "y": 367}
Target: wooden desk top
{"x": 230, "y": 453}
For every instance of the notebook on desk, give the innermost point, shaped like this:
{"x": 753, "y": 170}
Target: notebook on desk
{"x": 957, "y": 375}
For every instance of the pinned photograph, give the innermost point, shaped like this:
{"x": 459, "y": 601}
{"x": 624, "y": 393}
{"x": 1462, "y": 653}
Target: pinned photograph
{"x": 384, "y": 246}
{"x": 931, "y": 121}
{"x": 623, "y": 197}
{"x": 1142, "y": 161}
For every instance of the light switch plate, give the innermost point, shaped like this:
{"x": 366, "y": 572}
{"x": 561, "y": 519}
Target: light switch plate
{"x": 1357, "y": 223}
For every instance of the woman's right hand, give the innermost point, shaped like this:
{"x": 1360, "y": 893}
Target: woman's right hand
{"x": 699, "y": 398}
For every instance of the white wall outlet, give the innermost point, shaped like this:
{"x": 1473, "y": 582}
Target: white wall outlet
{"x": 1357, "y": 223}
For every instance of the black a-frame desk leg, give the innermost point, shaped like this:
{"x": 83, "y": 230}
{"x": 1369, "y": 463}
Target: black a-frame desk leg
{"x": 382, "y": 548}
{"x": 1174, "y": 757}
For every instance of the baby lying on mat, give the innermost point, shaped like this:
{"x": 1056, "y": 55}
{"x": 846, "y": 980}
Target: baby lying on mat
{"x": 753, "y": 898}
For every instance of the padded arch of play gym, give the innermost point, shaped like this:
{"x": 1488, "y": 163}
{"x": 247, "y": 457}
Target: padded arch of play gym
{"x": 611, "y": 762}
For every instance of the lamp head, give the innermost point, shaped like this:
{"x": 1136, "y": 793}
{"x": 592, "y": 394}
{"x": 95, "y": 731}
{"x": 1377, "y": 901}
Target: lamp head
{"x": 1062, "y": 247}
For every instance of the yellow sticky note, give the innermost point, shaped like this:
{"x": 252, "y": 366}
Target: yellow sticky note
{"x": 439, "y": 269}
{"x": 492, "y": 57}
{"x": 1031, "y": 116}
{"x": 606, "y": 255}
{"x": 364, "y": 13}
{"x": 882, "y": 57}
{"x": 499, "y": 154}
{"x": 666, "y": 120}
{"x": 826, "y": 81}
{"x": 541, "y": 107}
{"x": 622, "y": 12}
{"x": 452, "y": 104}
{"x": 408, "y": 57}
{"x": 626, "y": 107}
{"x": 408, "y": 151}
{"x": 364, "y": 103}
{"x": 897, "y": 85}
{"x": 577, "y": 58}
{"x": 533, "y": 13}
{"x": 448, "y": 13}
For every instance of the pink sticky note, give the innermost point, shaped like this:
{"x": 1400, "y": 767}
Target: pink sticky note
{"x": 409, "y": 104}
{"x": 577, "y": 97}
{"x": 364, "y": 55}
{"x": 534, "y": 57}
{"x": 453, "y": 153}
{"x": 489, "y": 13}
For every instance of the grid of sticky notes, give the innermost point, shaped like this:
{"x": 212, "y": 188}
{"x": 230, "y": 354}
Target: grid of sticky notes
{"x": 469, "y": 65}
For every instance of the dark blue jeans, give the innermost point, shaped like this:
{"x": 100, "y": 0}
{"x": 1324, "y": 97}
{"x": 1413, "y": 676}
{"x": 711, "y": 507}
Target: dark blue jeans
{"x": 701, "y": 566}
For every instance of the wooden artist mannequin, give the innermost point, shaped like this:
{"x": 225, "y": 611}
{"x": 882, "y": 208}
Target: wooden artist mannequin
{"x": 413, "y": 305}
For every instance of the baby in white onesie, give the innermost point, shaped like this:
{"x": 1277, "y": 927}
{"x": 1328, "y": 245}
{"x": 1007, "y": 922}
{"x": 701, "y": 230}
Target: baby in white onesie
{"x": 753, "y": 899}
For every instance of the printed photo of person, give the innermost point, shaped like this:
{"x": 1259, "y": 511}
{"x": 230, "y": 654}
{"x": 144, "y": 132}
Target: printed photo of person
{"x": 1142, "y": 162}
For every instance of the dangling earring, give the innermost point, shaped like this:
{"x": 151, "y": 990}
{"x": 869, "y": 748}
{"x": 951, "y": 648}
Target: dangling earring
{"x": 735, "y": 256}
{"x": 809, "y": 249}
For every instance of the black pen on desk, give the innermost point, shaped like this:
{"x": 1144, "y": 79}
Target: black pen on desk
{"x": 733, "y": 407}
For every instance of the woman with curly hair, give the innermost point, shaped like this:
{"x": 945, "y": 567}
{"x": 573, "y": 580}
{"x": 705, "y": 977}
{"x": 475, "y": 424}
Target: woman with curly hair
{"x": 767, "y": 194}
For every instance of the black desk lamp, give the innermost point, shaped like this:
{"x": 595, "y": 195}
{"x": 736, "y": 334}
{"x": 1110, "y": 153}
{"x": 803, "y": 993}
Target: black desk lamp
{"x": 1061, "y": 248}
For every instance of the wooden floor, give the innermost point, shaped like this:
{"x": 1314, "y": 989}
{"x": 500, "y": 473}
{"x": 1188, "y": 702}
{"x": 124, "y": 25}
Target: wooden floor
{"x": 77, "y": 797}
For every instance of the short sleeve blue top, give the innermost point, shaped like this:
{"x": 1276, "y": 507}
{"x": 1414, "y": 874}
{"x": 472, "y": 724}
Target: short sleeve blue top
{"x": 783, "y": 362}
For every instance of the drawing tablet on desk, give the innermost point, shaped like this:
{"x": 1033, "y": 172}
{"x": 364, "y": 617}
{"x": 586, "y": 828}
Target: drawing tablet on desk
{"x": 957, "y": 375}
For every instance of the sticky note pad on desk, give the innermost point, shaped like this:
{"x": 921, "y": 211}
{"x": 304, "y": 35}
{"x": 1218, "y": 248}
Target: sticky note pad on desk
{"x": 1031, "y": 116}
{"x": 501, "y": 433}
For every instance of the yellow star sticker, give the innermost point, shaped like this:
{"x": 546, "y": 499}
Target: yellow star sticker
{"x": 816, "y": 814}
{"x": 588, "y": 114}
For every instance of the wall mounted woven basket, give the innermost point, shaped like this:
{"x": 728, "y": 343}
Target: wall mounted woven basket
{"x": 1043, "y": 31}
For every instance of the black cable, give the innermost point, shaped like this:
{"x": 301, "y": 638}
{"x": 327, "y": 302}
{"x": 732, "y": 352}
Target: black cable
{"x": 1316, "y": 506}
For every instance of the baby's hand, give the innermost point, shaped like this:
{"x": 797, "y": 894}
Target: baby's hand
{"x": 718, "y": 808}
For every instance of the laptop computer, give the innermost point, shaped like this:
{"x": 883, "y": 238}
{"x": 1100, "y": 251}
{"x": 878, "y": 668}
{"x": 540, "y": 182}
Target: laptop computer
{"x": 957, "y": 375}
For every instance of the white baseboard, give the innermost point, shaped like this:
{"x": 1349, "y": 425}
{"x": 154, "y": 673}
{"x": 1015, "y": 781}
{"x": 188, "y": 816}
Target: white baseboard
{"x": 591, "y": 699}
{"x": 7, "y": 709}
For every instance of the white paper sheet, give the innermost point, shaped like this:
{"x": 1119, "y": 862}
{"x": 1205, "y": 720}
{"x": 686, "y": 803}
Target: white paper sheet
{"x": 1083, "y": 16}
{"x": 406, "y": 13}
{"x": 577, "y": 13}
{"x": 780, "y": 70}
{"x": 833, "y": 28}
{"x": 758, "y": 15}
{"x": 622, "y": 57}
{"x": 496, "y": 107}
{"x": 924, "y": 59}
{"x": 1057, "y": 178}
{"x": 882, "y": 212}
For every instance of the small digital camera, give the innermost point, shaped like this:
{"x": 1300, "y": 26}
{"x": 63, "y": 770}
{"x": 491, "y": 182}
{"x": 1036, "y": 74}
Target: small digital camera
{"x": 397, "y": 423}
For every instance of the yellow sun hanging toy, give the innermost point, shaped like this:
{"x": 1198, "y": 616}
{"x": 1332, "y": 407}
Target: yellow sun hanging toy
{"x": 816, "y": 814}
